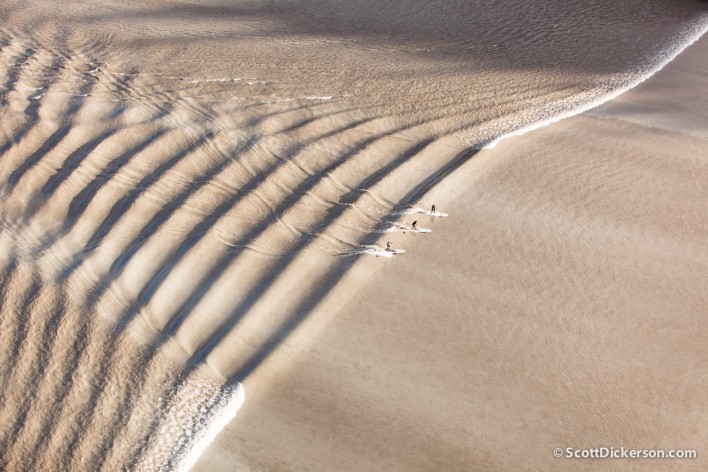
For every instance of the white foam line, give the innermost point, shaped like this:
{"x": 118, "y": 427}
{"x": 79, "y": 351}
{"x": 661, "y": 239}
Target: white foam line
{"x": 676, "y": 48}
{"x": 375, "y": 250}
{"x": 405, "y": 211}
{"x": 209, "y": 433}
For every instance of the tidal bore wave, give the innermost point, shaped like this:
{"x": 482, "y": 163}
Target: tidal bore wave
{"x": 155, "y": 224}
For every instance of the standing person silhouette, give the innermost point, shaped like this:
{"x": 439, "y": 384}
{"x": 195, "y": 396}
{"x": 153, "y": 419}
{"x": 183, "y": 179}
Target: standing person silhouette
{"x": 433, "y": 209}
{"x": 415, "y": 224}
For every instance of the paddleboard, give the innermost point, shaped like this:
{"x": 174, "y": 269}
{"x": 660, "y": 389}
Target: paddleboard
{"x": 380, "y": 251}
{"x": 392, "y": 252}
{"x": 413, "y": 230}
{"x": 437, "y": 214}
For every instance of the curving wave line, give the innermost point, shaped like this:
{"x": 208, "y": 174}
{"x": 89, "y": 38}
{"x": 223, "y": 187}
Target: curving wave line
{"x": 200, "y": 411}
{"x": 653, "y": 65}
